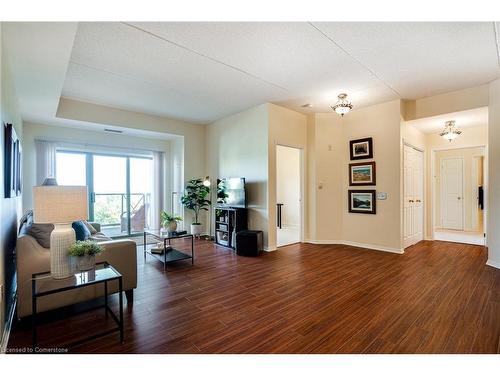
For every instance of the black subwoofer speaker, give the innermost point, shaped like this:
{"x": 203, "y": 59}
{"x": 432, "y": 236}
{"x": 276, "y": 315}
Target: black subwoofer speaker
{"x": 249, "y": 243}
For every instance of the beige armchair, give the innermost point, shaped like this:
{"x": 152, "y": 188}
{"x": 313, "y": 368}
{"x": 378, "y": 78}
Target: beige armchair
{"x": 33, "y": 258}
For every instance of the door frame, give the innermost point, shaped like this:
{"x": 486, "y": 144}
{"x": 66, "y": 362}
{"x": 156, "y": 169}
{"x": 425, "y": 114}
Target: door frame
{"x": 301, "y": 186}
{"x": 485, "y": 186}
{"x": 441, "y": 191}
{"x": 424, "y": 192}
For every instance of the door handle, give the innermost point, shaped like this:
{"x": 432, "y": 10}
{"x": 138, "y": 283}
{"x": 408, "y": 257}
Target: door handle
{"x": 278, "y": 224}
{"x": 459, "y": 198}
{"x": 419, "y": 201}
{"x": 411, "y": 201}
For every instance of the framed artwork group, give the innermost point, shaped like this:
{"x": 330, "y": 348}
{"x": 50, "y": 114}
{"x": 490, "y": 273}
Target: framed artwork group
{"x": 362, "y": 174}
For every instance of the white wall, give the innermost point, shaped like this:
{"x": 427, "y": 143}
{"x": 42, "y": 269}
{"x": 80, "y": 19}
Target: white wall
{"x": 237, "y": 146}
{"x": 332, "y": 134}
{"x": 10, "y": 209}
{"x": 493, "y": 224}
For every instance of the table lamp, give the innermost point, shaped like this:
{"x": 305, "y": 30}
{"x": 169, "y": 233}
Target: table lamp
{"x": 60, "y": 205}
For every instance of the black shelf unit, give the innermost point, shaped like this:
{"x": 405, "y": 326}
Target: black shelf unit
{"x": 229, "y": 221}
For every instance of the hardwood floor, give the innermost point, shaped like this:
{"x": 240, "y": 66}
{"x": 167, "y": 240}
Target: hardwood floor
{"x": 438, "y": 297}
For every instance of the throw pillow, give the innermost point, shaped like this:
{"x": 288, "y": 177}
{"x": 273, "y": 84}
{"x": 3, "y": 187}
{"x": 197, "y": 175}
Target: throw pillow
{"x": 90, "y": 227}
{"x": 41, "y": 233}
{"x": 81, "y": 230}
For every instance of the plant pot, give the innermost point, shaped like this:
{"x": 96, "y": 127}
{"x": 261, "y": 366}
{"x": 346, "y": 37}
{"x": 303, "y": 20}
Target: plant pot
{"x": 196, "y": 229}
{"x": 86, "y": 262}
{"x": 172, "y": 226}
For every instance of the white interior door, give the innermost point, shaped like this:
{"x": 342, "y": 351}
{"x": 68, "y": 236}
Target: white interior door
{"x": 452, "y": 207}
{"x": 288, "y": 195}
{"x": 413, "y": 196}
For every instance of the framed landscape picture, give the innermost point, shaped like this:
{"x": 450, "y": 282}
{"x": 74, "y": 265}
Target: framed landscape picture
{"x": 361, "y": 148}
{"x": 362, "y": 202}
{"x": 362, "y": 174}
{"x": 12, "y": 163}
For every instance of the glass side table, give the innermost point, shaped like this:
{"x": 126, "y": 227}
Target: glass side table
{"x": 42, "y": 284}
{"x": 168, "y": 255}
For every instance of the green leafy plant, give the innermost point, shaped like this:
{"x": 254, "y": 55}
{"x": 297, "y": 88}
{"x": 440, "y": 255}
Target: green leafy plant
{"x": 82, "y": 248}
{"x": 222, "y": 192}
{"x": 195, "y": 198}
{"x": 167, "y": 218}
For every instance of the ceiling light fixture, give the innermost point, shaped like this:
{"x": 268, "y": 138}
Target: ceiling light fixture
{"x": 343, "y": 105}
{"x": 450, "y": 132}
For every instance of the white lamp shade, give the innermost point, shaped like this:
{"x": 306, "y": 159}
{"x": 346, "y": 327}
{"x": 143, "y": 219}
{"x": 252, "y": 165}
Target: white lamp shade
{"x": 59, "y": 204}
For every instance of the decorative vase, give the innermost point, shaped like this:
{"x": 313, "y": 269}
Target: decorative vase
{"x": 172, "y": 226}
{"x": 86, "y": 262}
{"x": 61, "y": 239}
{"x": 196, "y": 229}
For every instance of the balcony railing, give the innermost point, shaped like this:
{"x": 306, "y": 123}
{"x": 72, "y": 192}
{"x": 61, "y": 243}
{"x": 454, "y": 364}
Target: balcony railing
{"x": 110, "y": 210}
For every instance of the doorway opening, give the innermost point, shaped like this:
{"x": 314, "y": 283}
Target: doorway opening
{"x": 288, "y": 195}
{"x": 459, "y": 195}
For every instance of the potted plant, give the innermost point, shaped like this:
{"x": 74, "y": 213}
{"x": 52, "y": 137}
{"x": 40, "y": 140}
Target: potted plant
{"x": 169, "y": 221}
{"x": 195, "y": 199}
{"x": 84, "y": 252}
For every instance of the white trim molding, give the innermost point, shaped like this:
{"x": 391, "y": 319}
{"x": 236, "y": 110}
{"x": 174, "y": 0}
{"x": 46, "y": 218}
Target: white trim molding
{"x": 269, "y": 249}
{"x": 357, "y": 244}
{"x": 492, "y": 263}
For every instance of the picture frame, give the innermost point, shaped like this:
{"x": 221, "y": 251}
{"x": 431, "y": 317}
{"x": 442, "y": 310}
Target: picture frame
{"x": 362, "y": 174}
{"x": 361, "y": 148}
{"x": 12, "y": 162}
{"x": 362, "y": 201}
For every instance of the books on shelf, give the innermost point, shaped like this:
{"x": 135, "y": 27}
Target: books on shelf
{"x": 158, "y": 249}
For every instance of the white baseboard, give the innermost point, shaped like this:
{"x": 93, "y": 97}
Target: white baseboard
{"x": 459, "y": 237}
{"x": 325, "y": 242}
{"x": 493, "y": 263}
{"x": 357, "y": 244}
{"x": 269, "y": 249}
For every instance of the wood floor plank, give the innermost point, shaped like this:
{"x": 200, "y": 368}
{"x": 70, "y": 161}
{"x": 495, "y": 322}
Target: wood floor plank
{"x": 438, "y": 297}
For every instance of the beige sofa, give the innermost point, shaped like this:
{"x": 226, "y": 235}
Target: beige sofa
{"x": 33, "y": 258}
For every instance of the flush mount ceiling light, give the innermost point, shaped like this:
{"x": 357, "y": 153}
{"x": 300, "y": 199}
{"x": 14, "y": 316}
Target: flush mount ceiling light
{"x": 343, "y": 105}
{"x": 450, "y": 132}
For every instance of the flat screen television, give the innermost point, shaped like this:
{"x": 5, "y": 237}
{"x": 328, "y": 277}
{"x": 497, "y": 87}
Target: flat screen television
{"x": 231, "y": 192}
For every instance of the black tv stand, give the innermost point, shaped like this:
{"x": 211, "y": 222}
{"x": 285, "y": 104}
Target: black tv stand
{"x": 228, "y": 222}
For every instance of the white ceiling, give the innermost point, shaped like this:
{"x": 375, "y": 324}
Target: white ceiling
{"x": 203, "y": 71}
{"x": 463, "y": 119}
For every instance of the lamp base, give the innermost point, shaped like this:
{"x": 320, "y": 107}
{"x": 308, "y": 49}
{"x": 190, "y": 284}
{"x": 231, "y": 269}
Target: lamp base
{"x": 61, "y": 238}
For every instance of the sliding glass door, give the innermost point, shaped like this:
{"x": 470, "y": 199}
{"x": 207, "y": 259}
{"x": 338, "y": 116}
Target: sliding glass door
{"x": 109, "y": 194}
{"x": 120, "y": 188}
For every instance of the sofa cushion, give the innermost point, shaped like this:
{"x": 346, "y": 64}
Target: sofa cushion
{"x": 40, "y": 232}
{"x": 99, "y": 237}
{"x": 89, "y": 226}
{"x": 81, "y": 230}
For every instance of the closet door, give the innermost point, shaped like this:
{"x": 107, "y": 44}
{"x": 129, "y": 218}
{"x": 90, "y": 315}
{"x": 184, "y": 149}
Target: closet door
{"x": 413, "y": 196}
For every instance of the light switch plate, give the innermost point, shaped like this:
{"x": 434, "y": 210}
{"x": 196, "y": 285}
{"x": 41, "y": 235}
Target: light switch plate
{"x": 382, "y": 196}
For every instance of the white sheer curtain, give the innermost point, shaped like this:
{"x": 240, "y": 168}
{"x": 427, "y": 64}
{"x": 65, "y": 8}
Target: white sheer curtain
{"x": 158, "y": 194}
{"x": 45, "y": 160}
